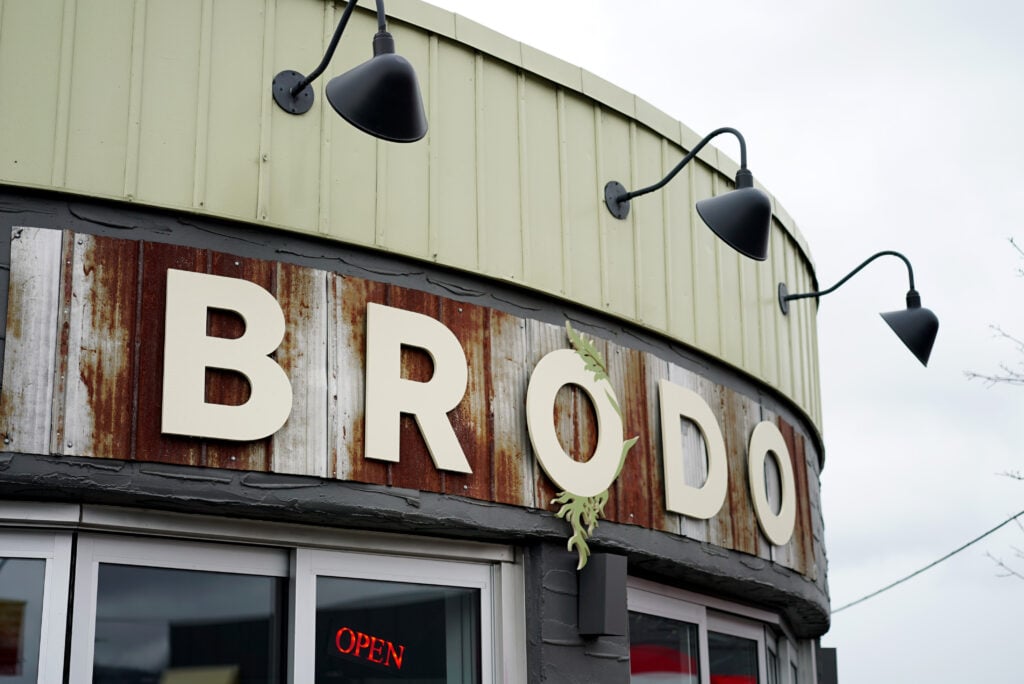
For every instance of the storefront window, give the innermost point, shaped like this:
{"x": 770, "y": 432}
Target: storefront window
{"x": 168, "y": 626}
{"x": 371, "y": 631}
{"x": 21, "y": 610}
{"x": 733, "y": 659}
{"x": 663, "y": 650}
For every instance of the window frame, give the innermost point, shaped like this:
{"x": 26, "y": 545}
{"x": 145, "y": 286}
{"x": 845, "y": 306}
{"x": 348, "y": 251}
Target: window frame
{"x": 709, "y": 614}
{"x": 55, "y": 549}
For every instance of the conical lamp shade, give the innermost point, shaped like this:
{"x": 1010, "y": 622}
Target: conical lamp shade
{"x": 381, "y": 97}
{"x": 916, "y": 327}
{"x": 742, "y": 218}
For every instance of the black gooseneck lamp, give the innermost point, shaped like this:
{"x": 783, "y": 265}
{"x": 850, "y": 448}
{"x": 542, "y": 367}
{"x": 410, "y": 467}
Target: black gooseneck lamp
{"x": 380, "y": 97}
{"x": 742, "y": 217}
{"x": 916, "y": 326}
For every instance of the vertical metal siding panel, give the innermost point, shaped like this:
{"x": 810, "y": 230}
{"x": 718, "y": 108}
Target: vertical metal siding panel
{"x": 800, "y": 552}
{"x": 131, "y": 165}
{"x": 236, "y": 98}
{"x": 404, "y": 189}
{"x": 223, "y": 387}
{"x": 678, "y": 236}
{"x": 695, "y": 452}
{"x": 471, "y": 419}
{"x": 797, "y": 311}
{"x": 29, "y": 28}
{"x": 817, "y": 537}
{"x": 739, "y": 415}
{"x": 807, "y": 320}
{"x": 770, "y": 316}
{"x": 352, "y": 214}
{"x": 636, "y": 487}
{"x": 655, "y": 369}
{"x": 649, "y": 234}
{"x": 301, "y": 446}
{"x": 34, "y": 299}
{"x": 62, "y": 126}
{"x": 751, "y": 306}
{"x": 543, "y": 338}
{"x": 453, "y": 140}
{"x": 513, "y": 457}
{"x": 415, "y": 469}
{"x": 617, "y": 254}
{"x": 293, "y": 164}
{"x": 98, "y": 134}
{"x": 98, "y": 403}
{"x": 202, "y": 111}
{"x": 783, "y": 343}
{"x": 707, "y": 307}
{"x": 542, "y": 220}
{"x": 730, "y": 303}
{"x": 170, "y": 91}
{"x": 150, "y": 443}
{"x": 583, "y": 221}
{"x": 498, "y": 130}
{"x": 350, "y": 299}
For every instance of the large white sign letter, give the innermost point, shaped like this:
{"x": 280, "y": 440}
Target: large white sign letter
{"x": 564, "y": 367}
{"x": 697, "y": 502}
{"x": 188, "y": 352}
{"x": 778, "y": 528}
{"x": 388, "y": 394}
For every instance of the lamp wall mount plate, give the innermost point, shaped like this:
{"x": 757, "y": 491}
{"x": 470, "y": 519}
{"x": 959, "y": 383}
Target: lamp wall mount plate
{"x": 283, "y": 85}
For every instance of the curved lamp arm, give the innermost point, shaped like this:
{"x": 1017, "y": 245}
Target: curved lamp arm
{"x": 916, "y": 326}
{"x": 785, "y": 298}
{"x": 292, "y": 90}
{"x": 617, "y": 198}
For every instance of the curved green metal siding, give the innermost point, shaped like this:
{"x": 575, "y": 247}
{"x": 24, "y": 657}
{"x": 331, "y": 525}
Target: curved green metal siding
{"x": 167, "y": 102}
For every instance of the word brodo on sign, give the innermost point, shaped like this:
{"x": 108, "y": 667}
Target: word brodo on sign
{"x": 189, "y": 351}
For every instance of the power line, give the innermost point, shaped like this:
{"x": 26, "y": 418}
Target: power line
{"x": 930, "y": 565}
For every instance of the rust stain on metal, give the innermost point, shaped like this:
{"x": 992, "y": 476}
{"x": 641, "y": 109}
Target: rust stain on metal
{"x": 230, "y": 387}
{"x": 354, "y": 295}
{"x": 60, "y": 380}
{"x": 415, "y": 469}
{"x": 639, "y": 490}
{"x": 738, "y": 425}
{"x": 106, "y": 355}
{"x": 471, "y": 419}
{"x": 150, "y": 443}
{"x": 511, "y": 457}
{"x": 801, "y": 544}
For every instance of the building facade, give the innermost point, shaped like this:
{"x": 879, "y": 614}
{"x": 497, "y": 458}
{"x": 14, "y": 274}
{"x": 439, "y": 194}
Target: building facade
{"x": 285, "y": 402}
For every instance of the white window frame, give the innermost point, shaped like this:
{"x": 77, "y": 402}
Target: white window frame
{"x": 158, "y": 553}
{"x": 309, "y": 564}
{"x": 709, "y": 614}
{"x": 55, "y": 549}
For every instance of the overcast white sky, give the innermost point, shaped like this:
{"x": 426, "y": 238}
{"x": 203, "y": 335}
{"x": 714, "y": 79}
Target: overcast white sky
{"x": 879, "y": 125}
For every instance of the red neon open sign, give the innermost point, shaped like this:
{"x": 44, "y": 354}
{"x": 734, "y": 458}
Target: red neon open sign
{"x": 369, "y": 647}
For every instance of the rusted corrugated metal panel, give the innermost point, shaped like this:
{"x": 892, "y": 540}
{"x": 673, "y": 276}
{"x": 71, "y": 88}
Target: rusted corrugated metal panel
{"x": 512, "y": 457}
{"x": 101, "y": 357}
{"x": 230, "y": 387}
{"x": 301, "y": 446}
{"x": 737, "y": 425}
{"x": 150, "y": 443}
{"x": 471, "y": 419}
{"x": 350, "y": 298}
{"x": 33, "y": 304}
{"x": 416, "y": 468}
{"x": 802, "y": 552}
{"x": 543, "y": 338}
{"x": 640, "y": 485}
{"x": 656, "y": 369}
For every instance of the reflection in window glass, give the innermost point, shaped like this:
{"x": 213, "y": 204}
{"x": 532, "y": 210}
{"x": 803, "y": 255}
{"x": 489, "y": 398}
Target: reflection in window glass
{"x": 166, "y": 626}
{"x": 369, "y": 632}
{"x": 663, "y": 650}
{"x": 733, "y": 659}
{"x": 21, "y": 615}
